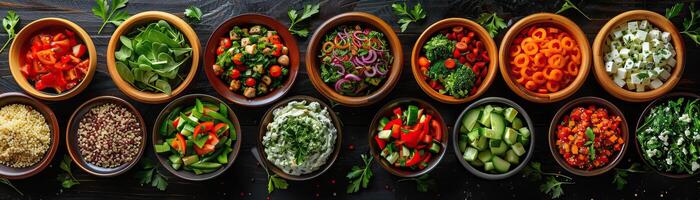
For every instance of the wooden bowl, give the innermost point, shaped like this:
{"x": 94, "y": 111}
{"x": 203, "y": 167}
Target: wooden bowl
{"x": 557, "y": 20}
{"x": 436, "y": 28}
{"x": 658, "y": 21}
{"x": 185, "y": 101}
{"x": 490, "y": 101}
{"x": 136, "y": 21}
{"x": 645, "y": 113}
{"x": 22, "y": 173}
{"x": 223, "y": 30}
{"x": 386, "y": 110}
{"x": 24, "y": 36}
{"x": 72, "y": 136}
{"x": 313, "y": 64}
{"x": 268, "y": 118}
{"x": 565, "y": 110}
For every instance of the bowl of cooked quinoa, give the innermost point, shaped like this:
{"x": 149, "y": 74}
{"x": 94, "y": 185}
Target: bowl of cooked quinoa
{"x": 28, "y": 136}
{"x": 106, "y": 136}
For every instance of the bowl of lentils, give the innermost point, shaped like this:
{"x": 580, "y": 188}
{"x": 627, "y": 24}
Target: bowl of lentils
{"x": 106, "y": 136}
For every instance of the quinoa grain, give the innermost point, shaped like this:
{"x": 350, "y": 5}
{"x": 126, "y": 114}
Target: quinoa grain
{"x": 109, "y": 136}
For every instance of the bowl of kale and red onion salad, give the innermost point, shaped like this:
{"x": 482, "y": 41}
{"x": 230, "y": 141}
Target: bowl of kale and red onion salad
{"x": 668, "y": 135}
{"x": 354, "y": 59}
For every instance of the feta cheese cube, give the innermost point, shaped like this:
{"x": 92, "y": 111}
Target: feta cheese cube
{"x": 656, "y": 83}
{"x": 644, "y": 25}
{"x": 664, "y": 75}
{"x": 635, "y": 78}
{"x": 628, "y": 38}
{"x": 654, "y": 34}
{"x": 641, "y": 35}
{"x": 629, "y": 63}
{"x": 621, "y": 73}
{"x": 632, "y": 26}
{"x": 624, "y": 53}
{"x": 666, "y": 36}
{"x": 630, "y": 86}
{"x": 671, "y": 62}
{"x": 617, "y": 34}
{"x": 646, "y": 47}
{"x": 619, "y": 82}
{"x": 610, "y": 67}
{"x": 639, "y": 87}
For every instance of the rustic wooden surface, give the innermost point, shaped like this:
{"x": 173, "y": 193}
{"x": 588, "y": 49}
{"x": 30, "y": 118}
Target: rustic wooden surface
{"x": 246, "y": 180}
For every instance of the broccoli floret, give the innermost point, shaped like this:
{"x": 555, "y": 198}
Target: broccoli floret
{"x": 439, "y": 47}
{"x": 459, "y": 82}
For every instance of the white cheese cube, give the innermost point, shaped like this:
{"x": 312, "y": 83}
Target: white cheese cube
{"x": 630, "y": 86}
{"x": 644, "y": 25}
{"x": 628, "y": 38}
{"x": 657, "y": 58}
{"x": 615, "y": 44}
{"x": 635, "y": 78}
{"x": 654, "y": 34}
{"x": 671, "y": 62}
{"x": 621, "y": 73}
{"x": 666, "y": 36}
{"x": 639, "y": 87}
{"x": 641, "y": 35}
{"x": 645, "y": 47}
{"x": 619, "y": 82}
{"x": 664, "y": 75}
{"x": 617, "y": 34}
{"x": 656, "y": 83}
{"x": 629, "y": 63}
{"x": 610, "y": 67}
{"x": 624, "y": 53}
{"x": 656, "y": 44}
{"x": 632, "y": 26}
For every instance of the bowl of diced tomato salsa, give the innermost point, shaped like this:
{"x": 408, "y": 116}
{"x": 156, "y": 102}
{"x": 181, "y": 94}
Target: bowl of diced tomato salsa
{"x": 408, "y": 137}
{"x": 588, "y": 136}
{"x": 53, "y": 59}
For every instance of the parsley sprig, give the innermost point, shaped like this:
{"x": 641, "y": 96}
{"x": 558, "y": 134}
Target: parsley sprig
{"x": 151, "y": 175}
{"x": 8, "y": 183}
{"x": 552, "y": 185}
{"x": 691, "y": 26}
{"x": 295, "y": 18}
{"x": 423, "y": 183}
{"x": 9, "y": 23}
{"x": 275, "y": 182}
{"x": 66, "y": 178}
{"x": 492, "y": 23}
{"x": 407, "y": 16}
{"x": 193, "y": 13}
{"x": 569, "y": 5}
{"x": 360, "y": 176}
{"x": 591, "y": 138}
{"x": 620, "y": 178}
{"x": 109, "y": 12}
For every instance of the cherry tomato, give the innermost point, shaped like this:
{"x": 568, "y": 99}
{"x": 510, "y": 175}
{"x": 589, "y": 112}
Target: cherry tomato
{"x": 275, "y": 71}
{"x": 220, "y": 50}
{"x": 235, "y": 73}
{"x": 250, "y": 82}
{"x": 225, "y": 42}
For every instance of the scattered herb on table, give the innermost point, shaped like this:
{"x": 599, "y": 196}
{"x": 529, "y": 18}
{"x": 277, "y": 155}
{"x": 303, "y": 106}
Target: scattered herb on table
{"x": 407, "y": 16}
{"x": 294, "y": 18}
{"x": 674, "y": 11}
{"x": 690, "y": 25}
{"x": 151, "y": 175}
{"x": 620, "y": 178}
{"x": 360, "y": 176}
{"x": 9, "y": 23}
{"x": 194, "y": 13}
{"x": 569, "y": 5}
{"x": 552, "y": 185}
{"x": 423, "y": 183}
{"x": 67, "y": 179}
{"x": 110, "y": 13}
{"x": 275, "y": 182}
{"x": 492, "y": 23}
{"x": 8, "y": 183}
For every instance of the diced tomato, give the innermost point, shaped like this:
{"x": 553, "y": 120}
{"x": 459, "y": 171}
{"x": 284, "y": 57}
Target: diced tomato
{"x": 415, "y": 159}
{"x": 437, "y": 129}
{"x": 275, "y": 39}
{"x": 381, "y": 143}
{"x": 179, "y": 144}
{"x": 79, "y": 50}
{"x": 176, "y": 122}
{"x": 221, "y": 129}
{"x": 202, "y": 128}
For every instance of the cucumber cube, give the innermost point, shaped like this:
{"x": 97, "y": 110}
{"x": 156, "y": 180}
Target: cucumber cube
{"x": 498, "y": 147}
{"x": 476, "y": 163}
{"x": 498, "y": 124}
{"x": 488, "y": 166}
{"x": 384, "y": 134}
{"x": 480, "y": 144}
{"x": 487, "y": 132}
{"x": 470, "y": 119}
{"x": 497, "y": 109}
{"x": 517, "y": 123}
{"x": 470, "y": 154}
{"x": 518, "y": 149}
{"x": 485, "y": 156}
{"x": 512, "y": 158}
{"x": 524, "y": 132}
{"x": 501, "y": 165}
{"x": 473, "y": 136}
{"x": 511, "y": 136}
{"x": 486, "y": 116}
{"x": 510, "y": 114}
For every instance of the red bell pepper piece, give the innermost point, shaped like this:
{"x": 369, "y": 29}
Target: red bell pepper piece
{"x": 437, "y": 129}
{"x": 415, "y": 159}
{"x": 395, "y": 131}
{"x": 179, "y": 144}
{"x": 397, "y": 111}
{"x": 391, "y": 123}
{"x": 412, "y": 138}
{"x": 176, "y": 122}
{"x": 221, "y": 129}
{"x": 203, "y": 128}
{"x": 381, "y": 143}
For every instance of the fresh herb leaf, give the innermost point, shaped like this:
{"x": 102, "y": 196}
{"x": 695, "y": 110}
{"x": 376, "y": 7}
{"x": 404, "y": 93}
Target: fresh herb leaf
{"x": 492, "y": 23}
{"x": 275, "y": 182}
{"x": 591, "y": 138}
{"x": 149, "y": 174}
{"x": 294, "y": 18}
{"x": 9, "y": 23}
{"x": 67, "y": 179}
{"x": 423, "y": 183}
{"x": 407, "y": 16}
{"x": 620, "y": 178}
{"x": 569, "y": 5}
{"x": 533, "y": 171}
{"x": 674, "y": 11}
{"x": 109, "y": 12}
{"x": 690, "y": 25}
{"x": 194, "y": 13}
{"x": 8, "y": 183}
{"x": 552, "y": 187}
{"x": 360, "y": 176}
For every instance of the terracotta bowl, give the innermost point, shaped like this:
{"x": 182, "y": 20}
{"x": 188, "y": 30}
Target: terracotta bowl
{"x": 186, "y": 101}
{"x": 24, "y": 37}
{"x": 386, "y": 110}
{"x": 565, "y": 110}
{"x": 478, "y": 171}
{"x": 223, "y": 31}
{"x": 268, "y": 118}
{"x": 443, "y": 25}
{"x": 658, "y": 21}
{"x": 72, "y": 136}
{"x": 22, "y": 173}
{"x": 139, "y": 20}
{"x": 313, "y": 64}
{"x": 561, "y": 22}
{"x": 645, "y": 113}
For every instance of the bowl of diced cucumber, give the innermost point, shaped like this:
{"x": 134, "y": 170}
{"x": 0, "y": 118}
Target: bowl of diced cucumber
{"x": 493, "y": 138}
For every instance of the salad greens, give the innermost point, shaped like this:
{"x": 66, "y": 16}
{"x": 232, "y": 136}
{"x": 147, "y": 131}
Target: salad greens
{"x": 407, "y": 15}
{"x": 151, "y": 57}
{"x": 9, "y": 23}
{"x": 193, "y": 13}
{"x": 108, "y": 12}
{"x": 294, "y": 18}
{"x": 492, "y": 23}
{"x": 439, "y": 47}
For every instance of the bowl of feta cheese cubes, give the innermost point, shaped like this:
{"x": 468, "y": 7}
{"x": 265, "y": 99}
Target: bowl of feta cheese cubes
{"x": 638, "y": 56}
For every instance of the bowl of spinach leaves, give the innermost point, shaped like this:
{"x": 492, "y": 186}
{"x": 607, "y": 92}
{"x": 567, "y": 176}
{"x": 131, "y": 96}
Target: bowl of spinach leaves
{"x": 153, "y": 56}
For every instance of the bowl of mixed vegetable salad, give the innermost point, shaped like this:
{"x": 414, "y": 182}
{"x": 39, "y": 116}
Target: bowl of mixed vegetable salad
{"x": 639, "y": 56}
{"x": 544, "y": 58}
{"x": 668, "y": 135}
{"x": 196, "y": 137}
{"x": 251, "y": 60}
{"x": 408, "y": 137}
{"x": 454, "y": 60}
{"x": 53, "y": 59}
{"x": 354, "y": 59}
{"x": 588, "y": 136}
{"x": 495, "y": 138}
{"x": 153, "y": 56}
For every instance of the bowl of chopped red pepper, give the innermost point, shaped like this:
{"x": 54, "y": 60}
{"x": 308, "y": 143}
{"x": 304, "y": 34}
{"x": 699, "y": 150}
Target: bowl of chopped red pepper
{"x": 407, "y": 137}
{"x": 588, "y": 136}
{"x": 53, "y": 59}
{"x": 454, "y": 60}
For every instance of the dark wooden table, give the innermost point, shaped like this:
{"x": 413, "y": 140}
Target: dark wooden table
{"x": 247, "y": 180}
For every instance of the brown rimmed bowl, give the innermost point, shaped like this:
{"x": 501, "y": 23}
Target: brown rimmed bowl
{"x": 139, "y": 20}
{"x": 434, "y": 30}
{"x": 72, "y": 136}
{"x": 268, "y": 118}
{"x": 584, "y": 102}
{"x": 248, "y": 20}
{"x": 386, "y": 110}
{"x": 561, "y": 22}
{"x": 658, "y": 21}
{"x": 503, "y": 102}
{"x": 187, "y": 101}
{"x": 645, "y": 113}
{"x": 24, "y": 36}
{"x": 22, "y": 173}
{"x": 313, "y": 63}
